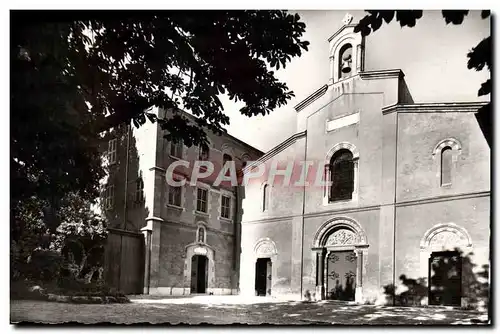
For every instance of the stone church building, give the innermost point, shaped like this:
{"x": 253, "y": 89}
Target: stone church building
{"x": 408, "y": 210}
{"x": 170, "y": 240}
{"x": 406, "y": 217}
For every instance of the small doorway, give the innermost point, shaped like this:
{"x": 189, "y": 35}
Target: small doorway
{"x": 341, "y": 275}
{"x": 263, "y": 277}
{"x": 445, "y": 277}
{"x": 199, "y": 274}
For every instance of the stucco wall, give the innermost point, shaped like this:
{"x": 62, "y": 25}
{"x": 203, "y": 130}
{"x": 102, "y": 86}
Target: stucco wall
{"x": 365, "y": 136}
{"x": 418, "y": 168}
{"x": 279, "y": 232}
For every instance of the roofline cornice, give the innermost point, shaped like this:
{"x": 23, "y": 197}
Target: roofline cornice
{"x": 275, "y": 150}
{"x": 435, "y": 107}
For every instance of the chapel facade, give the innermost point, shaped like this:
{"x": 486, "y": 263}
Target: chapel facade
{"x": 406, "y": 215}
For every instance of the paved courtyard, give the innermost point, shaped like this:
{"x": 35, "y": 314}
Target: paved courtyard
{"x": 233, "y": 310}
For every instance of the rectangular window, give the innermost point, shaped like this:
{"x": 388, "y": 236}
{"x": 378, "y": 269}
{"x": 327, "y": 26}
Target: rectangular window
{"x": 175, "y": 196}
{"x": 225, "y": 210}
{"x": 176, "y": 150}
{"x": 201, "y": 200}
{"x": 108, "y": 197}
{"x": 226, "y": 158}
{"x": 139, "y": 191}
{"x": 203, "y": 153}
{"x": 112, "y": 151}
{"x": 265, "y": 197}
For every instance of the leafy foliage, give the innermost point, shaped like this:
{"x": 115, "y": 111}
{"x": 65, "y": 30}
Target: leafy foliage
{"x": 84, "y": 73}
{"x": 479, "y": 56}
{"x": 74, "y": 248}
{"x": 78, "y": 74}
{"x": 125, "y": 65}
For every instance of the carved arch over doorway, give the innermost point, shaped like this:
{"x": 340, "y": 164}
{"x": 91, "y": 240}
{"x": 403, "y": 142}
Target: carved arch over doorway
{"x": 340, "y": 234}
{"x": 202, "y": 250}
{"x": 340, "y": 231}
{"x": 265, "y": 247}
{"x": 445, "y": 235}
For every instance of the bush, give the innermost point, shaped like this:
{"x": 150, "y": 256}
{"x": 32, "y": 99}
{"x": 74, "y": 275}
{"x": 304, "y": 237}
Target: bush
{"x": 72, "y": 287}
{"x": 23, "y": 289}
{"x": 69, "y": 291}
{"x": 44, "y": 265}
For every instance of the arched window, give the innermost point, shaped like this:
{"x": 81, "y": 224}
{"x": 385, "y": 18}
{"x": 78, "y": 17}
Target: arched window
{"x": 201, "y": 234}
{"x": 341, "y": 175}
{"x": 345, "y": 61}
{"x": 265, "y": 197}
{"x": 446, "y": 165}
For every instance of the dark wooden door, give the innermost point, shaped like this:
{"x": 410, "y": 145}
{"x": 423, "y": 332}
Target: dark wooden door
{"x": 261, "y": 276}
{"x": 341, "y": 275}
{"x": 445, "y": 277}
{"x": 269, "y": 276}
{"x": 201, "y": 283}
{"x": 124, "y": 261}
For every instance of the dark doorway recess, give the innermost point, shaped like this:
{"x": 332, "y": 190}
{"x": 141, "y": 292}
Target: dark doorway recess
{"x": 445, "y": 277}
{"x": 199, "y": 274}
{"x": 263, "y": 277}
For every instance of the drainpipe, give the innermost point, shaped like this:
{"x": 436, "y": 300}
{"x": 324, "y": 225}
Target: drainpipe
{"x": 124, "y": 205}
{"x": 236, "y": 239}
{"x": 303, "y": 212}
{"x": 394, "y": 218}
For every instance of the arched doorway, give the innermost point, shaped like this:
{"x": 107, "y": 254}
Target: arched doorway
{"x": 442, "y": 251}
{"x": 341, "y": 275}
{"x": 199, "y": 274}
{"x": 265, "y": 254}
{"x": 339, "y": 247}
{"x": 445, "y": 278}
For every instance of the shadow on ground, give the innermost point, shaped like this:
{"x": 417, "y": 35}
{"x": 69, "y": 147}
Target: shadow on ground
{"x": 452, "y": 275}
{"x": 218, "y": 313}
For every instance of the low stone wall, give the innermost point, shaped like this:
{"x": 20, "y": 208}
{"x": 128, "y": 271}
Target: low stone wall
{"x": 174, "y": 291}
{"x": 38, "y": 293}
{"x": 87, "y": 299}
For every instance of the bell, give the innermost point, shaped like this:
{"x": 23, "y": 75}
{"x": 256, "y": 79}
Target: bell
{"x": 346, "y": 63}
{"x": 346, "y": 67}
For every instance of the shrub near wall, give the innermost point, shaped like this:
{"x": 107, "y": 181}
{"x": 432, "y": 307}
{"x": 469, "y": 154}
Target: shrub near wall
{"x": 67, "y": 292}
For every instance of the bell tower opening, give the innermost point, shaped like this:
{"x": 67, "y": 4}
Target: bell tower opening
{"x": 346, "y": 52}
{"x": 345, "y": 63}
